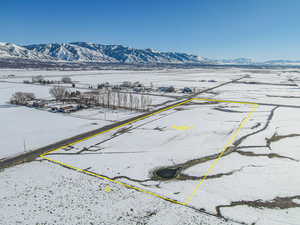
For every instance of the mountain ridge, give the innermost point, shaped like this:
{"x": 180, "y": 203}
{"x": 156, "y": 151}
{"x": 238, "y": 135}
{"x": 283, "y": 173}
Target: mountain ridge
{"x": 85, "y": 51}
{"x": 92, "y": 52}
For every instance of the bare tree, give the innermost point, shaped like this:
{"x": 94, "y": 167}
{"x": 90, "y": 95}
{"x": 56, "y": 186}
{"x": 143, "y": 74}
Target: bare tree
{"x": 58, "y": 92}
{"x": 21, "y": 97}
{"x": 119, "y": 99}
{"x": 131, "y": 101}
{"x": 115, "y": 99}
{"x": 148, "y": 102}
{"x": 108, "y": 98}
{"x": 136, "y": 102}
{"x": 125, "y": 100}
{"x": 143, "y": 102}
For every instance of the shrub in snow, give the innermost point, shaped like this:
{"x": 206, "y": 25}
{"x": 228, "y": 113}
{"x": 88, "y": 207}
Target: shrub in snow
{"x": 67, "y": 80}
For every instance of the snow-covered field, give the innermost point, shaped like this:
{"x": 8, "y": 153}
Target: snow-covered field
{"x": 25, "y": 129}
{"x": 178, "y": 78}
{"x": 163, "y": 142}
{"x": 254, "y": 181}
{"x": 48, "y": 194}
{"x": 276, "y": 88}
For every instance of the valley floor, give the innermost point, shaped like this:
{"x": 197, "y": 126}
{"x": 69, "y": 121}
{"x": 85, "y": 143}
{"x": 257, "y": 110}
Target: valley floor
{"x": 202, "y": 162}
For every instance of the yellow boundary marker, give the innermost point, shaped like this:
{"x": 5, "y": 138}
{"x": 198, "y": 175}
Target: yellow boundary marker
{"x": 228, "y": 144}
{"x": 114, "y": 128}
{"x": 213, "y": 165}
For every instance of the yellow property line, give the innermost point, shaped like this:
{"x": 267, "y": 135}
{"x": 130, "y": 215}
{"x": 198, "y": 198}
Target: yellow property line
{"x": 234, "y": 135}
{"x": 122, "y": 125}
{"x": 114, "y": 181}
{"x": 228, "y": 144}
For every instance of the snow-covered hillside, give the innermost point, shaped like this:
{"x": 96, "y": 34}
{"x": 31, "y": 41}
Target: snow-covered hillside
{"x": 70, "y": 52}
{"x": 83, "y": 51}
{"x": 90, "y": 52}
{"x": 8, "y": 50}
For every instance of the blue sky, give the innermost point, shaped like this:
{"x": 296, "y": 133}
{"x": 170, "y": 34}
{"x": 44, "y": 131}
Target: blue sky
{"x": 259, "y": 29}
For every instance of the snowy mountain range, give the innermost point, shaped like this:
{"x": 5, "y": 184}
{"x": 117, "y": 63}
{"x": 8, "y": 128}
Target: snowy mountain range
{"x": 90, "y": 52}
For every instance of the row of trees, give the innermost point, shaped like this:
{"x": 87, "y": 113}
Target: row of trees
{"x": 40, "y": 79}
{"x": 105, "y": 98}
{"x": 117, "y": 99}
